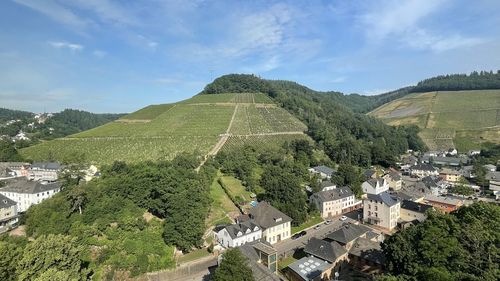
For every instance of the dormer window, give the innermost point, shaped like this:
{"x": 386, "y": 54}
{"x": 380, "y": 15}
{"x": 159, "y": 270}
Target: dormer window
{"x": 239, "y": 233}
{"x": 277, "y": 219}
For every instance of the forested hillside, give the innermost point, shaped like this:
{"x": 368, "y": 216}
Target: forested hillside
{"x": 346, "y": 136}
{"x": 457, "y": 82}
{"x": 9, "y": 114}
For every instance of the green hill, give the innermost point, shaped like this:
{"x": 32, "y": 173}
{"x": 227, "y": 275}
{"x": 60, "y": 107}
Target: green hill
{"x": 202, "y": 123}
{"x": 461, "y": 119}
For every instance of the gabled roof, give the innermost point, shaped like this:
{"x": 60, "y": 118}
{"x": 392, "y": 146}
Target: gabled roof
{"x": 324, "y": 169}
{"x": 493, "y": 176}
{"x": 6, "y": 202}
{"x": 373, "y": 182}
{"x": 348, "y": 233}
{"x": 415, "y": 206}
{"x": 394, "y": 176}
{"x": 259, "y": 271}
{"x": 384, "y": 197}
{"x": 326, "y": 184}
{"x": 46, "y": 165}
{"x": 309, "y": 268}
{"x": 444, "y": 200}
{"x": 328, "y": 251}
{"x": 368, "y": 250}
{"x": 242, "y": 228}
{"x": 22, "y": 185}
{"x": 267, "y": 216}
{"x": 334, "y": 194}
{"x": 423, "y": 167}
{"x": 369, "y": 173}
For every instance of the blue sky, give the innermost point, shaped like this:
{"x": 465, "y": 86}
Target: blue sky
{"x": 119, "y": 56}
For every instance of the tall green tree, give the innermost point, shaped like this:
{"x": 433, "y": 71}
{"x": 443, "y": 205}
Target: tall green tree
{"x": 53, "y": 252}
{"x": 12, "y": 250}
{"x": 233, "y": 267}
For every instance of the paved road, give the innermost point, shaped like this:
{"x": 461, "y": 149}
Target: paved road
{"x": 289, "y": 244}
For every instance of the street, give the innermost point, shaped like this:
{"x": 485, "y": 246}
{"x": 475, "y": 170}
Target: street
{"x": 288, "y": 245}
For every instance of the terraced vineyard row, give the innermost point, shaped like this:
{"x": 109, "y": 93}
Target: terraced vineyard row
{"x": 261, "y": 120}
{"x": 273, "y": 141}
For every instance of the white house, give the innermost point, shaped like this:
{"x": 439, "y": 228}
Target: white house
{"x": 44, "y": 171}
{"x": 238, "y": 234}
{"x": 334, "y": 202}
{"x": 26, "y": 193}
{"x": 382, "y": 209}
{"x": 423, "y": 170}
{"x": 394, "y": 180}
{"x": 494, "y": 183}
{"x": 375, "y": 186}
{"x": 275, "y": 225}
{"x": 8, "y": 213}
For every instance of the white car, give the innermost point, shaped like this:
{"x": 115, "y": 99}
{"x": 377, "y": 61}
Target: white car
{"x": 343, "y": 218}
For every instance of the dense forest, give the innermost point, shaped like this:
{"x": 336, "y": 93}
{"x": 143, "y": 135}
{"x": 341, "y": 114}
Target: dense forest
{"x": 9, "y": 114}
{"x": 454, "y": 82}
{"x": 462, "y": 245}
{"x": 129, "y": 220}
{"x": 347, "y": 137}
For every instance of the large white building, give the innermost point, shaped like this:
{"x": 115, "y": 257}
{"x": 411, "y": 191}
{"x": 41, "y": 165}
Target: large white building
{"x": 375, "y": 186}
{"x": 275, "y": 225}
{"x": 238, "y": 234}
{"x": 334, "y": 202}
{"x": 26, "y": 193}
{"x": 44, "y": 171}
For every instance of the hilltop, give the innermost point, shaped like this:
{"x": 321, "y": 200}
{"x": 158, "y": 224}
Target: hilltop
{"x": 201, "y": 124}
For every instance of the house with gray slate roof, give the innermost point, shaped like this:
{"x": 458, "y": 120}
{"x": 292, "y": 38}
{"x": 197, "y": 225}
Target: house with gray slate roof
{"x": 335, "y": 202}
{"x": 44, "y": 171}
{"x": 275, "y": 225}
{"x": 26, "y": 193}
{"x": 346, "y": 235}
{"x": 375, "y": 186}
{"x": 308, "y": 269}
{"x": 8, "y": 214}
{"x": 238, "y": 234}
{"x": 382, "y": 210}
{"x": 330, "y": 251}
{"x": 323, "y": 171}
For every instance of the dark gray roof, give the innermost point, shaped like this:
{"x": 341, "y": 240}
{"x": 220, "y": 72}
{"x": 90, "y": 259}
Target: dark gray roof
{"x": 308, "y": 268}
{"x": 373, "y": 182}
{"x": 46, "y": 165}
{"x": 394, "y": 176}
{"x": 369, "y": 173}
{"x": 370, "y": 235}
{"x": 405, "y": 195}
{"x": 23, "y": 185}
{"x": 494, "y": 176}
{"x": 6, "y": 202}
{"x": 267, "y": 216}
{"x": 368, "y": 250}
{"x": 334, "y": 194}
{"x": 326, "y": 184}
{"x": 431, "y": 181}
{"x": 324, "y": 169}
{"x": 423, "y": 167}
{"x": 414, "y": 206}
{"x": 328, "y": 251}
{"x": 384, "y": 197}
{"x": 259, "y": 271}
{"x": 234, "y": 229}
{"x": 348, "y": 233}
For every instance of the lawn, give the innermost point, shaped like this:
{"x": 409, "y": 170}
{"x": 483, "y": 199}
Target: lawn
{"x": 221, "y": 206}
{"x": 310, "y": 222}
{"x": 236, "y": 188}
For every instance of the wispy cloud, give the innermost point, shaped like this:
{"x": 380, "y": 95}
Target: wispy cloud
{"x": 107, "y": 11}
{"x": 66, "y": 45}
{"x": 405, "y": 21}
{"x": 338, "y": 79}
{"x": 56, "y": 12}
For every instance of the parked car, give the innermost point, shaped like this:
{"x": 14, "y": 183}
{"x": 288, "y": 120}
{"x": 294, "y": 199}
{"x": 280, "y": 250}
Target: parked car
{"x": 327, "y": 222}
{"x": 343, "y": 218}
{"x": 298, "y": 235}
{"x": 317, "y": 226}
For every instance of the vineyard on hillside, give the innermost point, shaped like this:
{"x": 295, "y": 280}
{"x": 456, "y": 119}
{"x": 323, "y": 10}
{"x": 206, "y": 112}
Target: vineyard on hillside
{"x": 162, "y": 131}
{"x": 272, "y": 141}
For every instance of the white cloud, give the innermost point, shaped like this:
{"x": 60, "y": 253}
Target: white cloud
{"x": 65, "y": 45}
{"x": 107, "y": 11}
{"x": 56, "y": 12}
{"x": 404, "y": 21}
{"x": 167, "y": 80}
{"x": 338, "y": 79}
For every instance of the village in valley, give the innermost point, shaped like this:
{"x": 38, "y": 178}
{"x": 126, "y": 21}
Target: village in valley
{"x": 343, "y": 243}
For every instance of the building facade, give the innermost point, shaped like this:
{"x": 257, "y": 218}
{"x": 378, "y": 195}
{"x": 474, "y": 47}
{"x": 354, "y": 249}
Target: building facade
{"x": 275, "y": 225}
{"x": 382, "y": 210}
{"x": 44, "y": 171}
{"x": 26, "y": 193}
{"x": 375, "y": 186}
{"x": 335, "y": 202}
{"x": 235, "y": 235}
{"x": 8, "y": 214}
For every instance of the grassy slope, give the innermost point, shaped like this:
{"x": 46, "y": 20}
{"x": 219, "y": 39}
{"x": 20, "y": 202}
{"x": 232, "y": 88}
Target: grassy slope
{"x": 461, "y": 118}
{"x": 162, "y": 131}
